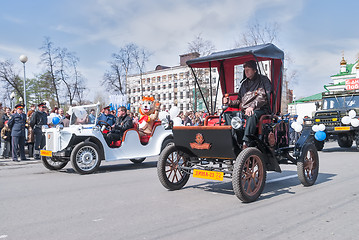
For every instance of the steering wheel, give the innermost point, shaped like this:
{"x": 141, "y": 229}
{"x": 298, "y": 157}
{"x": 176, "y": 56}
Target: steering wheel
{"x": 103, "y": 123}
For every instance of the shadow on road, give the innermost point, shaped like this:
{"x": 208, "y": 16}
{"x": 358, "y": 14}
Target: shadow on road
{"x": 113, "y": 167}
{"x": 271, "y": 189}
{"x": 339, "y": 149}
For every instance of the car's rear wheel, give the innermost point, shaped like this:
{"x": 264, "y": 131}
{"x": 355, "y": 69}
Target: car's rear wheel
{"x": 85, "y": 158}
{"x": 249, "y": 175}
{"x": 308, "y": 165}
{"x": 137, "y": 160}
{"x": 169, "y": 170}
{"x": 52, "y": 165}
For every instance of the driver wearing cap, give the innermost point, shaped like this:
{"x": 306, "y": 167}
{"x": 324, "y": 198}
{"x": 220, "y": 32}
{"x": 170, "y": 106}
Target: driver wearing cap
{"x": 106, "y": 116}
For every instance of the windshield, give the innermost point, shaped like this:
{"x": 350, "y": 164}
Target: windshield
{"x": 83, "y": 115}
{"x": 341, "y": 102}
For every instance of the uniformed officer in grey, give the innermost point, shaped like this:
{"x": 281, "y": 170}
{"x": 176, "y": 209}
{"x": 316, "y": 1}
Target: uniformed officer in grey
{"x": 38, "y": 119}
{"x": 17, "y": 125}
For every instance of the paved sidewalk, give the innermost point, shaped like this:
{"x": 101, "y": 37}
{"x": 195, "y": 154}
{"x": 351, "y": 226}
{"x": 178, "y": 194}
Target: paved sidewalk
{"x": 9, "y": 162}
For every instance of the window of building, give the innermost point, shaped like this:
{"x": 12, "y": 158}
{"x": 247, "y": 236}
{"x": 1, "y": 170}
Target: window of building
{"x": 158, "y": 79}
{"x": 187, "y": 94}
{"x": 174, "y": 76}
{"x": 164, "y": 78}
{"x": 129, "y": 91}
{"x": 169, "y": 77}
{"x": 153, "y": 88}
{"x": 159, "y": 87}
{"x": 170, "y": 85}
{"x": 181, "y": 95}
{"x": 148, "y": 80}
{"x": 181, "y": 75}
{"x": 175, "y": 85}
{"x": 181, "y": 84}
{"x": 181, "y": 107}
{"x": 148, "y": 88}
{"x": 163, "y": 86}
{"x": 169, "y": 96}
{"x": 187, "y": 106}
{"x": 164, "y": 96}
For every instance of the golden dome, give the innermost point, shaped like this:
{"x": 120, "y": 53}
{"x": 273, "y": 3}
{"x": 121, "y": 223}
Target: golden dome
{"x": 343, "y": 62}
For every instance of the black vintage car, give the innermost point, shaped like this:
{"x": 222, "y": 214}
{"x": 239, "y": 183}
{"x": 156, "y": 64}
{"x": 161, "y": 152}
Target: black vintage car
{"x": 214, "y": 151}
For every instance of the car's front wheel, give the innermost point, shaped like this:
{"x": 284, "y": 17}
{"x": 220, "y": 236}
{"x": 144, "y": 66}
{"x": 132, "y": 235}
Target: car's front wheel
{"x": 249, "y": 175}
{"x": 85, "y": 158}
{"x": 308, "y": 165}
{"x": 52, "y": 165}
{"x": 169, "y": 168}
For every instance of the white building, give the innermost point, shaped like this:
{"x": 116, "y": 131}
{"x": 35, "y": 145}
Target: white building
{"x": 172, "y": 86}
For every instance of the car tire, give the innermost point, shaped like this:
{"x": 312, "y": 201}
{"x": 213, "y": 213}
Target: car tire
{"x": 344, "y": 141}
{"x": 169, "y": 169}
{"x": 249, "y": 175}
{"x": 85, "y": 158}
{"x": 137, "y": 160}
{"x": 52, "y": 165}
{"x": 308, "y": 165}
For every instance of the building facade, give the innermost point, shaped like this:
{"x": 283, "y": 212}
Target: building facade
{"x": 173, "y": 86}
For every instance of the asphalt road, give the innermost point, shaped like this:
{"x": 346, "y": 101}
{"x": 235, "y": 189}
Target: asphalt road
{"x": 127, "y": 201}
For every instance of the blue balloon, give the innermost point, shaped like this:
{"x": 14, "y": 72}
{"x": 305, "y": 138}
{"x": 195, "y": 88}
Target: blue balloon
{"x": 55, "y": 120}
{"x": 320, "y": 135}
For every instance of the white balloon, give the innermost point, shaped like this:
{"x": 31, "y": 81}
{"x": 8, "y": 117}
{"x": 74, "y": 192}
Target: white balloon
{"x": 346, "y": 120}
{"x": 294, "y": 124}
{"x": 298, "y": 128}
{"x": 174, "y": 111}
{"x": 315, "y": 128}
{"x": 352, "y": 113}
{"x": 354, "y": 122}
{"x": 177, "y": 121}
{"x": 162, "y": 115}
{"x": 321, "y": 127}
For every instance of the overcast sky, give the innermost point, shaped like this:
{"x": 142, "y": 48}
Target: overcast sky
{"x": 313, "y": 33}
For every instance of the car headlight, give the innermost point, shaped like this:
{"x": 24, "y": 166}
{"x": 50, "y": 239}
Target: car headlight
{"x": 165, "y": 123}
{"x": 59, "y": 127}
{"x": 236, "y": 122}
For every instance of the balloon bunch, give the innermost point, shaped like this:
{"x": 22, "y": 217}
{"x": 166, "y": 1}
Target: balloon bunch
{"x": 173, "y": 113}
{"x": 320, "y": 135}
{"x": 351, "y": 119}
{"x": 297, "y": 125}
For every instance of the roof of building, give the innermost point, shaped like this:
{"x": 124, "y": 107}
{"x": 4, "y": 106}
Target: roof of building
{"x": 312, "y": 98}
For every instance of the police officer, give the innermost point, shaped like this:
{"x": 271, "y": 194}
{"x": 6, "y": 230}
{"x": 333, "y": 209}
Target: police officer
{"x": 38, "y": 119}
{"x": 106, "y": 116}
{"x": 17, "y": 124}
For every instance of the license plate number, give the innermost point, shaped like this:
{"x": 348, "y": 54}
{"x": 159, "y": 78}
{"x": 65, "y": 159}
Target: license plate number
{"x": 46, "y": 153}
{"x": 212, "y": 175}
{"x": 342, "y": 128}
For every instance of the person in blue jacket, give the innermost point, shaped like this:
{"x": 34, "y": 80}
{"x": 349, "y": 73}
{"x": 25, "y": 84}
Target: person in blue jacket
{"x": 17, "y": 125}
{"x": 106, "y": 116}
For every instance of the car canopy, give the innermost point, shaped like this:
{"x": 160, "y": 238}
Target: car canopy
{"x": 225, "y": 62}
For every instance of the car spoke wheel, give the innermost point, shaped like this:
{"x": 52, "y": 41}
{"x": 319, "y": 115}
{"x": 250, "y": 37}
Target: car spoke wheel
{"x": 249, "y": 175}
{"x": 52, "y": 165}
{"x": 308, "y": 165}
{"x": 169, "y": 169}
{"x": 85, "y": 158}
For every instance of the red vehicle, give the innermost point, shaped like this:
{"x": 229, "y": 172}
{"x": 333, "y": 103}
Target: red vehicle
{"x": 213, "y": 151}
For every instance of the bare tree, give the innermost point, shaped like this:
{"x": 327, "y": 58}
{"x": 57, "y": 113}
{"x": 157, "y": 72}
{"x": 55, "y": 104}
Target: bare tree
{"x": 48, "y": 59}
{"x": 257, "y": 33}
{"x": 11, "y": 80}
{"x": 141, "y": 57}
{"x": 123, "y": 63}
{"x": 204, "y": 48}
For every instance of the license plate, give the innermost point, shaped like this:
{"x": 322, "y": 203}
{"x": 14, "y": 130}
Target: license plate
{"x": 46, "y": 153}
{"x": 341, "y": 128}
{"x": 208, "y": 174}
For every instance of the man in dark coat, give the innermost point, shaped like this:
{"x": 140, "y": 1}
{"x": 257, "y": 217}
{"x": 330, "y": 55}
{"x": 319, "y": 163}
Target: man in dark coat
{"x": 38, "y": 119}
{"x": 123, "y": 122}
{"x": 17, "y": 124}
{"x": 252, "y": 82}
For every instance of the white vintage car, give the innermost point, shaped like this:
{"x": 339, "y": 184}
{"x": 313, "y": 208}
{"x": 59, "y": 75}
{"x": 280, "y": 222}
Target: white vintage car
{"x": 83, "y": 142}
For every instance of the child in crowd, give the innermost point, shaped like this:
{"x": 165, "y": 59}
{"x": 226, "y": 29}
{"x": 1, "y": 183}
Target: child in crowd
{"x": 6, "y": 139}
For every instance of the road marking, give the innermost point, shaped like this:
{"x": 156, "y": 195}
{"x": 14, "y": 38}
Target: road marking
{"x": 3, "y": 236}
{"x": 97, "y": 220}
{"x": 282, "y": 178}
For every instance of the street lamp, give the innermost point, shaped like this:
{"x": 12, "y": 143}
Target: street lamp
{"x": 23, "y": 59}
{"x": 12, "y": 96}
